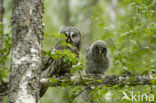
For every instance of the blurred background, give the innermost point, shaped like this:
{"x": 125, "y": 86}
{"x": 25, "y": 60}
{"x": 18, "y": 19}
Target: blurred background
{"x": 127, "y": 26}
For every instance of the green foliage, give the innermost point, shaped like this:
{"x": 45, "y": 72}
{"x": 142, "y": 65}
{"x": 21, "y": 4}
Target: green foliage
{"x": 65, "y": 55}
{"x": 5, "y": 41}
{"x": 53, "y": 80}
{"x": 78, "y": 67}
{"x": 132, "y": 43}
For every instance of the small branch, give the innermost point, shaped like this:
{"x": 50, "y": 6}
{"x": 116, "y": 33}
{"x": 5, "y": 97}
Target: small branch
{"x": 81, "y": 92}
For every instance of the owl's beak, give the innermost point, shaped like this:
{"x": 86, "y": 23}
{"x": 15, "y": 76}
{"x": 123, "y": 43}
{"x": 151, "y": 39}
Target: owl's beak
{"x": 100, "y": 52}
{"x": 68, "y": 40}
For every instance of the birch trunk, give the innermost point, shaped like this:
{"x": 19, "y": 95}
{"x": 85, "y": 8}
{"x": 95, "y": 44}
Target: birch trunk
{"x": 26, "y": 52}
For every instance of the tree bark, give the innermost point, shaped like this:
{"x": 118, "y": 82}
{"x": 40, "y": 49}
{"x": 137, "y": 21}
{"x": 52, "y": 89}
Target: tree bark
{"x": 27, "y": 29}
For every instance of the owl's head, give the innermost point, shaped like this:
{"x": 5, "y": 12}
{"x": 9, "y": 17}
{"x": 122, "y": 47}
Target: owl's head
{"x": 73, "y": 36}
{"x": 99, "y": 49}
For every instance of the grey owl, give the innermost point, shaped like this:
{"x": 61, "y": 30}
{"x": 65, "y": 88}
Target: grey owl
{"x": 97, "y": 60}
{"x": 57, "y": 66}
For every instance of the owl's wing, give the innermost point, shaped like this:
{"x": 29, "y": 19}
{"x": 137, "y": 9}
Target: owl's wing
{"x": 48, "y": 70}
{"x": 47, "y": 73}
{"x": 46, "y": 61}
{"x": 47, "y": 67}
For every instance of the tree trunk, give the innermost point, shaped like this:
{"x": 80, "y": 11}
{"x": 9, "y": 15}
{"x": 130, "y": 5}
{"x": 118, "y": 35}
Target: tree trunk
{"x": 27, "y": 29}
{"x": 64, "y": 10}
{"x": 113, "y": 13}
{"x": 67, "y": 13}
{"x": 154, "y": 4}
{"x": 1, "y": 10}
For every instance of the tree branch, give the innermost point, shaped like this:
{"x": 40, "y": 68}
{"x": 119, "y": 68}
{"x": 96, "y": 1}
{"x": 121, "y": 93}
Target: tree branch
{"x": 91, "y": 80}
{"x": 108, "y": 81}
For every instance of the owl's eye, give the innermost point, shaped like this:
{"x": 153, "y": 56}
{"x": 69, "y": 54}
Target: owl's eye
{"x": 104, "y": 50}
{"x": 74, "y": 35}
{"x": 97, "y": 47}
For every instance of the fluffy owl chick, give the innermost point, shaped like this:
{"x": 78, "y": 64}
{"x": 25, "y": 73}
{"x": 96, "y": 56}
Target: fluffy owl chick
{"x": 97, "y": 60}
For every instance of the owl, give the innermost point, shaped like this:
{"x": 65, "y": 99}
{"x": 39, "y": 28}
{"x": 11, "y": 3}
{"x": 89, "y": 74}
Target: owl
{"x": 58, "y": 66}
{"x": 97, "y": 60}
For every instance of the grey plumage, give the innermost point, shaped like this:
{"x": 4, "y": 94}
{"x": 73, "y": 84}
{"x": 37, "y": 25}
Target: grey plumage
{"x": 59, "y": 67}
{"x": 97, "y": 60}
